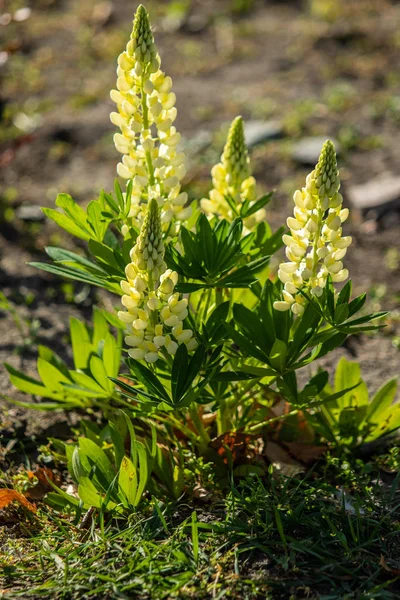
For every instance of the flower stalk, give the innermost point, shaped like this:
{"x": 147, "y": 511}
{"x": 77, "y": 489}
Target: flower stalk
{"x": 315, "y": 247}
{"x": 148, "y": 139}
{"x": 154, "y": 314}
{"x": 232, "y": 179}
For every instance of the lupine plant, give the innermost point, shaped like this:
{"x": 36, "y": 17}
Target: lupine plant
{"x": 211, "y": 340}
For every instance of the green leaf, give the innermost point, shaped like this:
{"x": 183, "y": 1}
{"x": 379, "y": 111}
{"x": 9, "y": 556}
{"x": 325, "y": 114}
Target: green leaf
{"x": 304, "y": 332}
{"x": 67, "y": 257}
{"x": 257, "y": 205}
{"x": 96, "y": 219}
{"x": 118, "y": 441}
{"x": 128, "y": 480}
{"x": 108, "y": 257}
{"x": 51, "y": 376}
{"x": 178, "y": 373}
{"x": 86, "y": 384}
{"x": 91, "y": 454}
{"x": 277, "y": 356}
{"x": 78, "y": 275}
{"x": 215, "y": 324}
{"x": 348, "y": 374}
{"x": 341, "y": 313}
{"x": 148, "y": 380}
{"x": 100, "y": 374}
{"x": 193, "y": 370}
{"x": 228, "y": 376}
{"x": 27, "y": 384}
{"x": 65, "y": 223}
{"x": 78, "y": 471}
{"x": 249, "y": 324}
{"x": 72, "y": 209}
{"x": 111, "y": 355}
{"x": 81, "y": 343}
{"x": 345, "y": 293}
{"x": 143, "y": 472}
{"x": 357, "y": 304}
{"x": 88, "y": 493}
{"x": 382, "y": 400}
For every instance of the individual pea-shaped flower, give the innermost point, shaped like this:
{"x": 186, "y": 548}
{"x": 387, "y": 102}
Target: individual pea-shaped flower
{"x": 315, "y": 247}
{"x": 148, "y": 139}
{"x": 232, "y": 178}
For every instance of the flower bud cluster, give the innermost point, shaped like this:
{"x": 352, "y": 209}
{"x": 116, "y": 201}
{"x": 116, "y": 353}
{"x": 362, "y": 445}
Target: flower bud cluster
{"x": 231, "y": 177}
{"x": 148, "y": 140}
{"x": 148, "y": 252}
{"x": 154, "y": 314}
{"x": 316, "y": 247}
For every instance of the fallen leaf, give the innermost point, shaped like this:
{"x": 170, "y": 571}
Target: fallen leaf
{"x": 7, "y": 496}
{"x": 305, "y": 453}
{"x": 385, "y": 566}
{"x": 237, "y": 443}
{"x": 43, "y": 487}
{"x": 281, "y": 459}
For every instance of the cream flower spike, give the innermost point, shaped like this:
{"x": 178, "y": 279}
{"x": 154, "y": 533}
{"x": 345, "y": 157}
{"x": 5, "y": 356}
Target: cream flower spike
{"x": 231, "y": 177}
{"x": 154, "y": 314}
{"x": 316, "y": 247}
{"x": 148, "y": 140}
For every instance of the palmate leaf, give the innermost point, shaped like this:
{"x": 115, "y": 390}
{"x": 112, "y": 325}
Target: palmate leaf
{"x": 213, "y": 256}
{"x": 96, "y": 356}
{"x": 184, "y": 372}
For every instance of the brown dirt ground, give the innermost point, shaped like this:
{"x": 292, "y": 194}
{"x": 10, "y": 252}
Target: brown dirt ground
{"x": 332, "y": 73}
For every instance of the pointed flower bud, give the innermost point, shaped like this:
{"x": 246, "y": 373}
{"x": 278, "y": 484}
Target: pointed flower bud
{"x": 316, "y": 246}
{"x": 232, "y": 178}
{"x": 142, "y": 47}
{"x": 235, "y": 157}
{"x": 148, "y": 252}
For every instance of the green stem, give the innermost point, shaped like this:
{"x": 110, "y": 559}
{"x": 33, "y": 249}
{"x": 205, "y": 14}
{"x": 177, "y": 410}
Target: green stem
{"x": 317, "y": 236}
{"x": 219, "y": 296}
{"x": 145, "y": 114}
{"x": 204, "y": 437}
{"x": 207, "y": 305}
{"x": 259, "y": 426}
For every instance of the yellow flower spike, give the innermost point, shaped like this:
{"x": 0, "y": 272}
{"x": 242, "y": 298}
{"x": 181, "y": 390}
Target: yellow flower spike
{"x": 232, "y": 178}
{"x": 315, "y": 247}
{"x": 152, "y": 307}
{"x": 148, "y": 139}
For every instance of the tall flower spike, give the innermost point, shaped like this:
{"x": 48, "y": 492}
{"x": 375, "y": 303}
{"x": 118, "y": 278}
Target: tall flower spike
{"x": 154, "y": 314}
{"x": 148, "y": 139}
{"x": 231, "y": 177}
{"x": 316, "y": 246}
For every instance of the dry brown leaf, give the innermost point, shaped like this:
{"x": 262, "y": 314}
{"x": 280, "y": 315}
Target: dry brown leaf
{"x": 43, "y": 487}
{"x": 385, "y": 566}
{"x": 7, "y": 496}
{"x": 305, "y": 453}
{"x": 281, "y": 459}
{"x": 236, "y": 442}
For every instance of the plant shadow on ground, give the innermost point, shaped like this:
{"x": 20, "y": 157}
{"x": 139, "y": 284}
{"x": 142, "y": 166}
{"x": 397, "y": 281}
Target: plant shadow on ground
{"x": 273, "y": 538}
